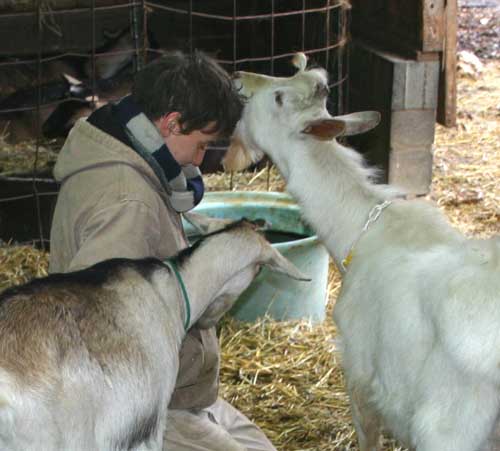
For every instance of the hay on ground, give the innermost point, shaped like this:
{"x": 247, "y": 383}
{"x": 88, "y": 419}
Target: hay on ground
{"x": 286, "y": 375}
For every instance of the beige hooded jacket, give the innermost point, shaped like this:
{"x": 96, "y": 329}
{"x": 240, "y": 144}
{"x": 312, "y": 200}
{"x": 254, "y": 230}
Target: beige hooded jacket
{"x": 111, "y": 204}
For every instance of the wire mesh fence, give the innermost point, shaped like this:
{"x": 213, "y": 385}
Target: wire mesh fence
{"x": 61, "y": 60}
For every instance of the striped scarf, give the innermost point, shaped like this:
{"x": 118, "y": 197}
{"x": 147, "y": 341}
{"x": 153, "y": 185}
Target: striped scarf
{"x": 183, "y": 184}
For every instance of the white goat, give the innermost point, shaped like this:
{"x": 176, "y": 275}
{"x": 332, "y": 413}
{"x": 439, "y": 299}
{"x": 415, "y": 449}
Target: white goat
{"x": 88, "y": 360}
{"x": 419, "y": 309}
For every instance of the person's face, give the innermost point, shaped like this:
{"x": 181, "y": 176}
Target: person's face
{"x": 190, "y": 148}
{"x": 186, "y": 148}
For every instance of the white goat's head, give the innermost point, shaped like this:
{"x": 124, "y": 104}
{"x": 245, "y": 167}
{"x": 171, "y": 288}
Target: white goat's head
{"x": 280, "y": 109}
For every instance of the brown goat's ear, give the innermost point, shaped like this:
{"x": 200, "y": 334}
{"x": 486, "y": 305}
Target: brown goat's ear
{"x": 238, "y": 157}
{"x": 324, "y": 129}
{"x": 273, "y": 260}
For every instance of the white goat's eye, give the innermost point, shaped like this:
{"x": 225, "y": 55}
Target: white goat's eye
{"x": 278, "y": 98}
{"x": 321, "y": 90}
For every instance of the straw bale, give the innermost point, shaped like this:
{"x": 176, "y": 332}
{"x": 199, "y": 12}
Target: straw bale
{"x": 19, "y": 264}
{"x": 24, "y": 157}
{"x": 286, "y": 375}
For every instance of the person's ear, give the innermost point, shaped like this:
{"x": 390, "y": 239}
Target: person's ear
{"x": 168, "y": 124}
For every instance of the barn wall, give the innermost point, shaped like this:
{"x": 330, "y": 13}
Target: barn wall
{"x": 407, "y": 27}
{"x": 395, "y": 61}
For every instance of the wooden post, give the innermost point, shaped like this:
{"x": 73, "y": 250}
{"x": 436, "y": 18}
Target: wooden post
{"x": 433, "y": 25}
{"x": 447, "y": 102}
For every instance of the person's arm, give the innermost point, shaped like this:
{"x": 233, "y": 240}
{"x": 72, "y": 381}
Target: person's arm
{"x": 128, "y": 229}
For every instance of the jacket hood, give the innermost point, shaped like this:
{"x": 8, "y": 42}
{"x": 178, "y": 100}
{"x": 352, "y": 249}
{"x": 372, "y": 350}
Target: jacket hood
{"x": 88, "y": 147}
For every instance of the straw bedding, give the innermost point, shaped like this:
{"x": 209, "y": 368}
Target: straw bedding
{"x": 286, "y": 376}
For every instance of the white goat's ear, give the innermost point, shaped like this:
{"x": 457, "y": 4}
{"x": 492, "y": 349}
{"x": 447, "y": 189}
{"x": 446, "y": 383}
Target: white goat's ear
{"x": 206, "y": 224}
{"x": 276, "y": 262}
{"x": 299, "y": 60}
{"x": 325, "y": 129}
{"x": 238, "y": 157}
{"x": 248, "y": 83}
{"x": 361, "y": 122}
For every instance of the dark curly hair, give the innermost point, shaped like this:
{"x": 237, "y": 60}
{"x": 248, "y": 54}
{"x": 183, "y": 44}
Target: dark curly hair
{"x": 194, "y": 85}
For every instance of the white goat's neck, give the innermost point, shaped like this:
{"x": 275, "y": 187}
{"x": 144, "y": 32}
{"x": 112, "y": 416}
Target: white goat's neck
{"x": 333, "y": 190}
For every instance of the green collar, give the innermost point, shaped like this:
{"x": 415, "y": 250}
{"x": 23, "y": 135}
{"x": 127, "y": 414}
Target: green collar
{"x": 172, "y": 264}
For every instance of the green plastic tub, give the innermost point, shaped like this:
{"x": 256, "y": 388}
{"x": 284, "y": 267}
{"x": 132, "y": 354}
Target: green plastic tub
{"x": 274, "y": 294}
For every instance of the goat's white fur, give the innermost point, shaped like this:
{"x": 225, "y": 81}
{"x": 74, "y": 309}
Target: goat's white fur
{"x": 88, "y": 360}
{"x": 419, "y": 308}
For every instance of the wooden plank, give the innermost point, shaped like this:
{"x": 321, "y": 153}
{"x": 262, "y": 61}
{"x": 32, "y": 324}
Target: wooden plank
{"x": 433, "y": 25}
{"x": 427, "y": 56}
{"x": 62, "y": 31}
{"x": 19, "y": 6}
{"x": 447, "y": 100}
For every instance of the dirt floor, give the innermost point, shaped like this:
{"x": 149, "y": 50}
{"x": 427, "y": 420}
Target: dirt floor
{"x": 286, "y": 376}
{"x": 479, "y": 27}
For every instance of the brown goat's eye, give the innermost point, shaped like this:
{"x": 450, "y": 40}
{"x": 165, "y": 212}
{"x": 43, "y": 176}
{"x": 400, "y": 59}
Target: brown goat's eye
{"x": 278, "y": 98}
